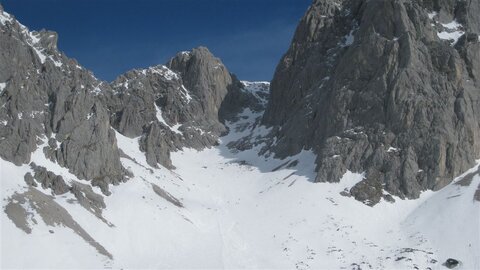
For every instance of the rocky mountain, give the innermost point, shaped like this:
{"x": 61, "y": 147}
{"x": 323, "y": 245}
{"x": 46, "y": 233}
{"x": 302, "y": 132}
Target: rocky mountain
{"x": 173, "y": 106}
{"x": 48, "y": 97}
{"x": 385, "y": 87}
{"x": 183, "y": 166}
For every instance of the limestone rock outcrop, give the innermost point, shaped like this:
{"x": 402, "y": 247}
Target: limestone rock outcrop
{"x": 46, "y": 96}
{"x": 49, "y": 101}
{"x": 385, "y": 87}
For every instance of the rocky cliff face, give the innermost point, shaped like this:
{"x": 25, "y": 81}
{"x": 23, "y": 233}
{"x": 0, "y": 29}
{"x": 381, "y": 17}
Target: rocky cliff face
{"x": 47, "y": 97}
{"x": 173, "y": 106}
{"x": 47, "y": 100}
{"x": 385, "y": 87}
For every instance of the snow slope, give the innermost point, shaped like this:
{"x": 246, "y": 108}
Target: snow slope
{"x": 228, "y": 209}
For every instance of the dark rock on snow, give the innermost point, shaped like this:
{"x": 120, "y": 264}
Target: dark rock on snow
{"x": 451, "y": 263}
{"x": 47, "y": 179}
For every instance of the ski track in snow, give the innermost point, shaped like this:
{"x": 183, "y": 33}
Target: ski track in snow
{"x": 237, "y": 215}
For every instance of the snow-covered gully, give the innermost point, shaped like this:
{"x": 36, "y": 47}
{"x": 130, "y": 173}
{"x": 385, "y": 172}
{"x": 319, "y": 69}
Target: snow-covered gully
{"x": 225, "y": 209}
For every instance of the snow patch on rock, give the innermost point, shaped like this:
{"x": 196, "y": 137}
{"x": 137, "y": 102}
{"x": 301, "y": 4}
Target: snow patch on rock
{"x": 165, "y": 72}
{"x": 2, "y": 87}
{"x": 160, "y": 118}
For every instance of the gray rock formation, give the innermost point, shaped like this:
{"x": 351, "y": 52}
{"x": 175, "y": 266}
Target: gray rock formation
{"x": 47, "y": 100}
{"x": 208, "y": 80}
{"x": 47, "y": 179}
{"x": 382, "y": 87}
{"x": 46, "y": 96}
{"x": 174, "y": 106}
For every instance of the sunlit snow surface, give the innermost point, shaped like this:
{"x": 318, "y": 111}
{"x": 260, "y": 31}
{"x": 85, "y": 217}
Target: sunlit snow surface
{"x": 451, "y": 31}
{"x": 2, "y": 87}
{"x": 243, "y": 211}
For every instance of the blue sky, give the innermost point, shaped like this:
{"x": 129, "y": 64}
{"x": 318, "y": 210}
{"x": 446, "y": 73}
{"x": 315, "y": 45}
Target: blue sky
{"x": 113, "y": 36}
